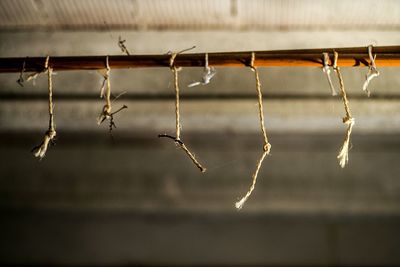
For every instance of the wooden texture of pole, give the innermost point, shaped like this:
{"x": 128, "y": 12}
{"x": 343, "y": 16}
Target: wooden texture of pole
{"x": 386, "y": 56}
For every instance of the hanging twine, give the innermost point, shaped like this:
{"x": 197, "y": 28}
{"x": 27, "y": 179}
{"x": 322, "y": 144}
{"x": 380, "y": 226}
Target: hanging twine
{"x": 21, "y": 79}
{"x": 326, "y": 69}
{"x": 177, "y": 138}
{"x": 105, "y": 93}
{"x": 176, "y": 86}
{"x": 343, "y": 155}
{"x": 266, "y": 145}
{"x": 208, "y": 73}
{"x": 40, "y": 150}
{"x": 372, "y": 71}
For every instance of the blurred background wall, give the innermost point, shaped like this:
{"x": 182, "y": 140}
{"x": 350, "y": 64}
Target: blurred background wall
{"x": 138, "y": 200}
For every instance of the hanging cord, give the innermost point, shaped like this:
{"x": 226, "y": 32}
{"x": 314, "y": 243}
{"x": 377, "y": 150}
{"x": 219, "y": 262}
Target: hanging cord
{"x": 208, "y": 73}
{"x": 343, "y": 155}
{"x": 21, "y": 79}
{"x": 326, "y": 69}
{"x": 105, "y": 93}
{"x": 266, "y": 145}
{"x": 372, "y": 71}
{"x": 40, "y": 150}
{"x": 177, "y": 138}
{"x": 121, "y": 44}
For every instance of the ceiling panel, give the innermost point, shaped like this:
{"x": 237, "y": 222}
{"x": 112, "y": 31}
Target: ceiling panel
{"x": 199, "y": 15}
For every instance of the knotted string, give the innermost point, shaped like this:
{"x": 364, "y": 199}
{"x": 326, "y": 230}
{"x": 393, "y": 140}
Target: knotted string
{"x": 266, "y": 145}
{"x": 372, "y": 71}
{"x": 105, "y": 93}
{"x": 208, "y": 73}
{"x": 40, "y": 150}
{"x": 326, "y": 69}
{"x": 343, "y": 155}
{"x": 177, "y": 138}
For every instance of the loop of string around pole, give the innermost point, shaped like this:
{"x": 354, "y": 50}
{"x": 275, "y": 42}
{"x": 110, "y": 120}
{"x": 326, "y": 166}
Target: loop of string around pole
{"x": 372, "y": 70}
{"x": 177, "y": 138}
{"x": 266, "y": 145}
{"x": 50, "y": 134}
{"x": 343, "y": 155}
{"x": 326, "y": 69}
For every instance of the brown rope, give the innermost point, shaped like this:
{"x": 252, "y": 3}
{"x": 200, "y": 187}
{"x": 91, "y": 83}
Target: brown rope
{"x": 40, "y": 150}
{"x": 266, "y": 145}
{"x": 343, "y": 155}
{"x": 177, "y": 138}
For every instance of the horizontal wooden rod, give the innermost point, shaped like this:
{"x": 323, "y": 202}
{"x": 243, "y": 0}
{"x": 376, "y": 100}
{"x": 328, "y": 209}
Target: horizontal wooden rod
{"x": 386, "y": 56}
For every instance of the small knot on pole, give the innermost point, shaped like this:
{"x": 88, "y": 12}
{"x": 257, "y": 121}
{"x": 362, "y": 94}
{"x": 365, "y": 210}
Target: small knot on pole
{"x": 46, "y": 64}
{"x": 252, "y": 60}
{"x": 172, "y": 60}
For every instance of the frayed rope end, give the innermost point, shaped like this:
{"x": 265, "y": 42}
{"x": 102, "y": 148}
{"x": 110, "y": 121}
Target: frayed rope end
{"x": 343, "y": 156}
{"x": 42, "y": 148}
{"x": 240, "y": 203}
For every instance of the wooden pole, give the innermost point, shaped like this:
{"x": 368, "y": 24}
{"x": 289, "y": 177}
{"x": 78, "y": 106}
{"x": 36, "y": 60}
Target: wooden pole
{"x": 386, "y": 56}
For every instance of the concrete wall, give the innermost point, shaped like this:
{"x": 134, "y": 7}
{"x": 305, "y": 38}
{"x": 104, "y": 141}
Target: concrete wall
{"x": 139, "y": 200}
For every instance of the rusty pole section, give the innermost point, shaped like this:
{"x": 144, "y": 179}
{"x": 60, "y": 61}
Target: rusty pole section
{"x": 386, "y": 56}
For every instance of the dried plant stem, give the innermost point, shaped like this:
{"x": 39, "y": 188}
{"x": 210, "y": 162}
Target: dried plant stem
{"x": 121, "y": 44}
{"x": 105, "y": 93}
{"x": 40, "y": 150}
{"x": 343, "y": 155}
{"x": 177, "y": 138}
{"x": 266, "y": 145}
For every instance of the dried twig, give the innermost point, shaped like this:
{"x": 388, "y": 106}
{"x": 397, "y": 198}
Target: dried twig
{"x": 266, "y": 145}
{"x": 105, "y": 92}
{"x": 121, "y": 44}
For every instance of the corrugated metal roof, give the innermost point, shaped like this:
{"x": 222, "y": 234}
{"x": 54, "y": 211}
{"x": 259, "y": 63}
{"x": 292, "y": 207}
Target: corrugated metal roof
{"x": 199, "y": 15}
